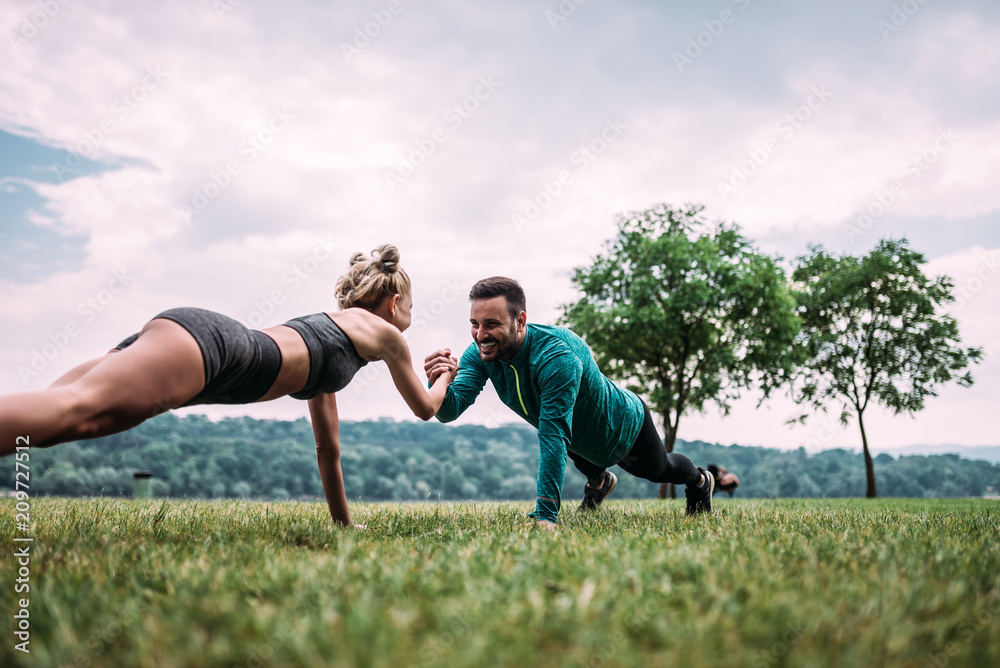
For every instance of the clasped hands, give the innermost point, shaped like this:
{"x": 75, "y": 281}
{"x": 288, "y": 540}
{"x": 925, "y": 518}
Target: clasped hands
{"x": 439, "y": 362}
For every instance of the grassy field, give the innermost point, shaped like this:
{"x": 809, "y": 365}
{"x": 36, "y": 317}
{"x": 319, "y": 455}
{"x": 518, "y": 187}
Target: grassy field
{"x": 761, "y": 583}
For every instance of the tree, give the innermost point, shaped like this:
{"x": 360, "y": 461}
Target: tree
{"x": 686, "y": 314}
{"x": 871, "y": 330}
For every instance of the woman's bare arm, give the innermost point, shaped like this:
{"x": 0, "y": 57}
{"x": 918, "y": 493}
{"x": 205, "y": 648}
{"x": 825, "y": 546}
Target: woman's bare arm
{"x": 326, "y": 430}
{"x": 422, "y": 401}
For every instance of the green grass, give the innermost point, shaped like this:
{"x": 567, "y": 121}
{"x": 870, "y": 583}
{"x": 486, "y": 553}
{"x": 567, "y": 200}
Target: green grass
{"x": 761, "y": 583}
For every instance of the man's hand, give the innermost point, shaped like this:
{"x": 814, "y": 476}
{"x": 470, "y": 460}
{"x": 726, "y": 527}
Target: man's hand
{"x": 439, "y": 362}
{"x": 435, "y": 359}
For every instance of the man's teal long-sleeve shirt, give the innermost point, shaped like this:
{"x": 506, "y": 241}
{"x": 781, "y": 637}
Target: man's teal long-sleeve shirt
{"x": 553, "y": 382}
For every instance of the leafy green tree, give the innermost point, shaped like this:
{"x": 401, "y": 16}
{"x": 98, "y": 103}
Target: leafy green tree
{"x": 872, "y": 330}
{"x": 403, "y": 489}
{"x": 61, "y": 480}
{"x": 108, "y": 481}
{"x": 685, "y": 313}
{"x": 159, "y": 489}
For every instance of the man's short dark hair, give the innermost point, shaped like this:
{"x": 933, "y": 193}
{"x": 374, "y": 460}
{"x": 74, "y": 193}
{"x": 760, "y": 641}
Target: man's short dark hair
{"x": 501, "y": 286}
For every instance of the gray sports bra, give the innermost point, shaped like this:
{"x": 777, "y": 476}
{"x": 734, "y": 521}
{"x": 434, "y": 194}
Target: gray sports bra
{"x": 333, "y": 359}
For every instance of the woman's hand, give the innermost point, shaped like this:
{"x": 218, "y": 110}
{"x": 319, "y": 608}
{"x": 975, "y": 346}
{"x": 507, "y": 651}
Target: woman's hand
{"x": 439, "y": 362}
{"x": 448, "y": 365}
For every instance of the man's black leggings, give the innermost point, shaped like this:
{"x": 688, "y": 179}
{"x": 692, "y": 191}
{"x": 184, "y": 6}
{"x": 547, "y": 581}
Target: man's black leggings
{"x": 647, "y": 459}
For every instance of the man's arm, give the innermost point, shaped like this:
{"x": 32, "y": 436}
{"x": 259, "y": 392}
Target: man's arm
{"x": 466, "y": 386}
{"x": 559, "y": 382}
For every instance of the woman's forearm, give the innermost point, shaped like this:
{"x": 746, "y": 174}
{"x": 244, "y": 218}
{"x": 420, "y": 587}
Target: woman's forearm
{"x": 330, "y": 473}
{"x": 438, "y": 391}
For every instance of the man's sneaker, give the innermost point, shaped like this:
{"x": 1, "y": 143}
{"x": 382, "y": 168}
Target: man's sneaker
{"x": 592, "y": 497}
{"x": 699, "y": 499}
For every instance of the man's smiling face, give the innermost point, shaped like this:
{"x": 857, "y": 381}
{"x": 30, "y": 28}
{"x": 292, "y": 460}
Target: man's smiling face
{"x": 497, "y": 334}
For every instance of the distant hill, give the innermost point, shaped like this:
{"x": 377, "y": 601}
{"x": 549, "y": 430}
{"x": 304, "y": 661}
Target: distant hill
{"x": 990, "y": 453}
{"x": 384, "y": 460}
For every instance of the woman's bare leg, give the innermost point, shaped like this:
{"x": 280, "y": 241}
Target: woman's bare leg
{"x": 161, "y": 370}
{"x": 77, "y": 372}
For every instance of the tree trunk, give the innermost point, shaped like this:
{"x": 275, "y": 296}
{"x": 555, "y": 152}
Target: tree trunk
{"x": 870, "y": 492}
{"x": 668, "y": 490}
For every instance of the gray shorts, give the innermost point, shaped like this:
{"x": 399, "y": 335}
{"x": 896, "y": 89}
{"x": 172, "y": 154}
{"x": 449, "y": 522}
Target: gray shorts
{"x": 241, "y": 364}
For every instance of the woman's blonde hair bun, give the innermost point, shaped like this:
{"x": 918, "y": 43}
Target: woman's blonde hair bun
{"x": 388, "y": 258}
{"x": 370, "y": 279}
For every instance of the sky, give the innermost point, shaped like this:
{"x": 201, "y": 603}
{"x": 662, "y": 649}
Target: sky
{"x": 233, "y": 155}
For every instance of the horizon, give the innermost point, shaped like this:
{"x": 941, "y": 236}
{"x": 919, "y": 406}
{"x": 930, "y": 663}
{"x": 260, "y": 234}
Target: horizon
{"x": 915, "y": 449}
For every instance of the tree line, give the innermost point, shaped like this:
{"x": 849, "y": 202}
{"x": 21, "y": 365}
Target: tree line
{"x": 193, "y": 457}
